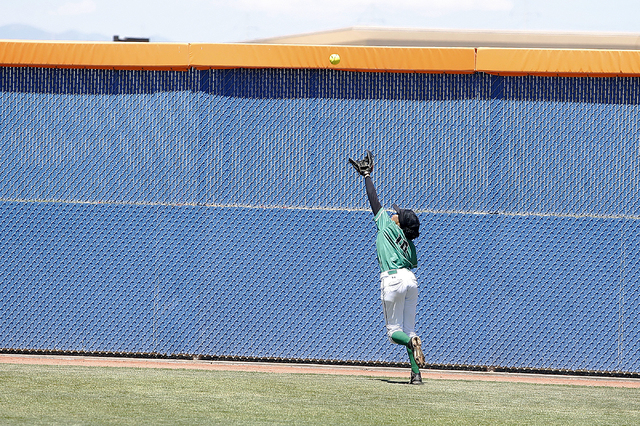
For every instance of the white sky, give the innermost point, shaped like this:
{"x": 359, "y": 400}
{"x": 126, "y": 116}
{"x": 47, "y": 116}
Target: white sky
{"x": 218, "y": 21}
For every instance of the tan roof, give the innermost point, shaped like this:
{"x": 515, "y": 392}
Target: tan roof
{"x": 372, "y": 36}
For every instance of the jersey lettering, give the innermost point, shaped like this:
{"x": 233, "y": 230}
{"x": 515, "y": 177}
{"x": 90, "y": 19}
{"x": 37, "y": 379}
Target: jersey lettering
{"x": 403, "y": 244}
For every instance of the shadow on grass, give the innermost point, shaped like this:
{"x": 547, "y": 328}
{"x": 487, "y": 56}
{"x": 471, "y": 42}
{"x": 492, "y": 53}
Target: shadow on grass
{"x": 394, "y": 381}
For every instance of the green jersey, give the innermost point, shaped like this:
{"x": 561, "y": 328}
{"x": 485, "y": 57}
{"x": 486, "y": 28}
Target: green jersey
{"x": 393, "y": 248}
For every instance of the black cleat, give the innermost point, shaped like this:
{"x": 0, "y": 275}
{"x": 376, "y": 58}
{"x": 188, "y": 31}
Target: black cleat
{"x": 416, "y": 378}
{"x": 416, "y": 345}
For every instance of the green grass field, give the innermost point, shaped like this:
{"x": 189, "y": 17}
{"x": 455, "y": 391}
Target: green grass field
{"x": 51, "y": 395}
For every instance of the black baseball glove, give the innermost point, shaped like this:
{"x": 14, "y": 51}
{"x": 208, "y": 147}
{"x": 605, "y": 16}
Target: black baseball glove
{"x": 365, "y": 166}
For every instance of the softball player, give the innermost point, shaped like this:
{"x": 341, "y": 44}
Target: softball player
{"x": 396, "y": 257}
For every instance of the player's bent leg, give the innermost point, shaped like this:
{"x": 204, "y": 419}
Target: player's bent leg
{"x": 401, "y": 338}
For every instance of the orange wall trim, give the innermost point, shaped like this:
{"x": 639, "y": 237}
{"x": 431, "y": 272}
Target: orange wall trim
{"x": 352, "y": 58}
{"x": 183, "y": 56}
{"x": 560, "y": 62}
{"x": 109, "y": 55}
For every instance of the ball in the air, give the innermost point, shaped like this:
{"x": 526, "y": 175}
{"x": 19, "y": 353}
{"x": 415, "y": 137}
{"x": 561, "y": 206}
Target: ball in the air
{"x": 334, "y": 59}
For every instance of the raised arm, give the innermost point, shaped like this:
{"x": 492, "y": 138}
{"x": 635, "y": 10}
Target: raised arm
{"x": 372, "y": 195}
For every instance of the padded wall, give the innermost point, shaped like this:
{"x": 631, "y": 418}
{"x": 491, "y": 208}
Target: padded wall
{"x": 213, "y": 213}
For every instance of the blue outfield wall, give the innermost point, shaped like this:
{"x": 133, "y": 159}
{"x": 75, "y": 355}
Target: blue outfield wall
{"x": 213, "y": 213}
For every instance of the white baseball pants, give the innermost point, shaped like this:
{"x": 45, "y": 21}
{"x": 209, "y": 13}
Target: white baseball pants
{"x": 399, "y": 295}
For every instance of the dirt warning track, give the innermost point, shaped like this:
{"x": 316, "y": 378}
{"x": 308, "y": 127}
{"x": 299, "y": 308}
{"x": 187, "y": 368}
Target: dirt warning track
{"x": 266, "y": 367}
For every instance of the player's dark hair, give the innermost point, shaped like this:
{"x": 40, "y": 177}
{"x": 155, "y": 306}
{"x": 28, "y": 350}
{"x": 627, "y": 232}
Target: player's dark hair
{"x": 410, "y": 233}
{"x": 409, "y": 222}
